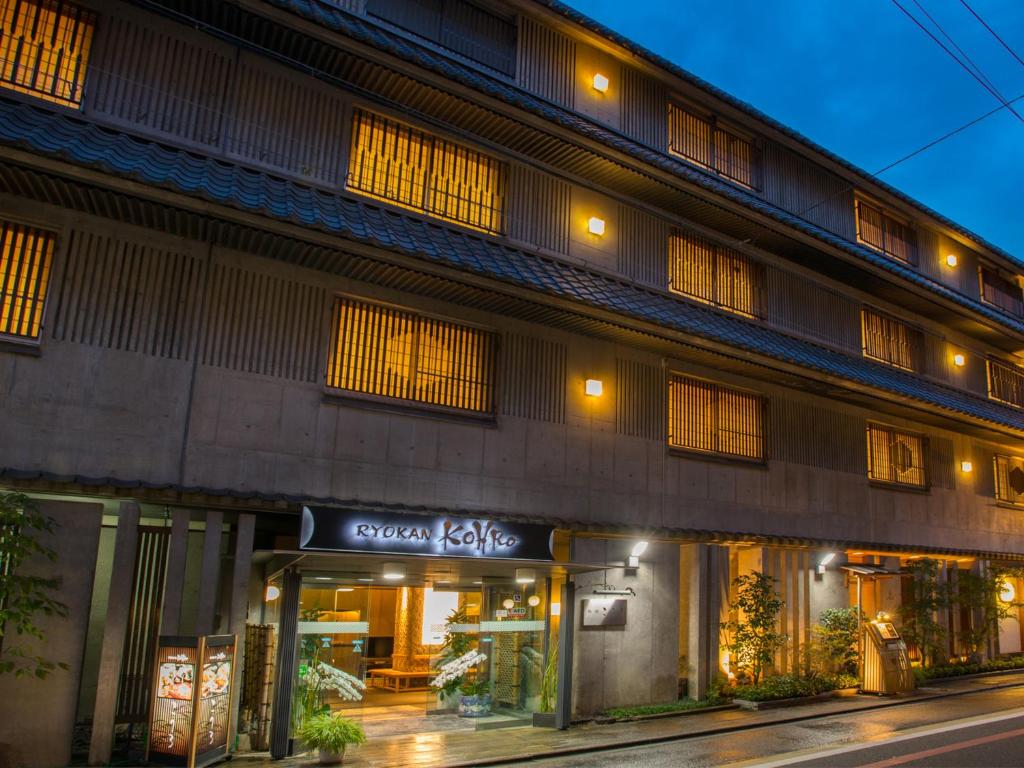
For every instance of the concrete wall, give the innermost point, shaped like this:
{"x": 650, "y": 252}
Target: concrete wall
{"x": 37, "y": 716}
{"x": 638, "y": 663}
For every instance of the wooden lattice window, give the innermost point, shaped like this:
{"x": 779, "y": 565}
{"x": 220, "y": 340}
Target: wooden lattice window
{"x": 44, "y": 48}
{"x": 1006, "y": 383}
{"x": 705, "y": 417}
{"x": 891, "y": 341}
{"x": 1009, "y": 472}
{"x": 700, "y": 140}
{"x": 718, "y": 275}
{"x": 896, "y": 456}
{"x": 1000, "y": 291}
{"x": 410, "y": 168}
{"x": 885, "y": 233}
{"x": 26, "y": 257}
{"x": 393, "y": 353}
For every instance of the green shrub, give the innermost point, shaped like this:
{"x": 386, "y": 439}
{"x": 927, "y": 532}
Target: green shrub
{"x": 793, "y": 686}
{"x": 331, "y": 733}
{"x": 683, "y": 705}
{"x": 956, "y": 670}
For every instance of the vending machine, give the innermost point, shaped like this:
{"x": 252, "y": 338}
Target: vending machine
{"x": 191, "y": 708}
{"x": 886, "y": 664}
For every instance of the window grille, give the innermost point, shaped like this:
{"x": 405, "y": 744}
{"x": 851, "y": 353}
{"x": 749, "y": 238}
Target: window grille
{"x": 705, "y": 417}
{"x": 895, "y": 456}
{"x": 885, "y": 233}
{"x": 1001, "y": 292}
{"x": 377, "y": 350}
{"x": 712, "y": 273}
{"x": 26, "y": 256}
{"x": 890, "y": 341}
{"x": 701, "y": 141}
{"x": 410, "y": 168}
{"x": 1009, "y": 472}
{"x": 1006, "y": 383}
{"x": 44, "y": 48}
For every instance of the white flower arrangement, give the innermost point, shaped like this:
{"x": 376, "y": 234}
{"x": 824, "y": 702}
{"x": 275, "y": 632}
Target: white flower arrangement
{"x": 323, "y": 676}
{"x": 456, "y": 669}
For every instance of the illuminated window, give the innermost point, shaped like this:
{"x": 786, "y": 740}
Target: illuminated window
{"x": 890, "y": 341}
{"x": 1009, "y": 479}
{"x": 701, "y": 141}
{"x": 44, "y": 48}
{"x": 1006, "y": 382}
{"x": 895, "y": 456}
{"x": 26, "y": 255}
{"x": 415, "y": 170}
{"x": 885, "y": 233}
{"x": 721, "y": 276}
{"x": 377, "y": 350}
{"x": 1000, "y": 291}
{"x": 711, "y": 419}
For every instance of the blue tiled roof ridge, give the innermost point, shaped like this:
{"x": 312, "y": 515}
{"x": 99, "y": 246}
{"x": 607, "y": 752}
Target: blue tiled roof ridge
{"x": 43, "y": 131}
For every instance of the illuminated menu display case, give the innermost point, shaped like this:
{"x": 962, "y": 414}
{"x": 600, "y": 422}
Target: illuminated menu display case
{"x": 191, "y": 707}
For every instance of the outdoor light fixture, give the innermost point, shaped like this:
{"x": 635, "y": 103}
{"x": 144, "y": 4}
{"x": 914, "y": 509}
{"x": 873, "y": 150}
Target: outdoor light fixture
{"x": 959, "y": 360}
{"x": 393, "y": 571}
{"x": 508, "y": 603}
{"x": 595, "y": 226}
{"x": 272, "y": 593}
{"x": 525, "y": 575}
{"x": 343, "y": 589}
{"x": 533, "y": 601}
{"x": 610, "y": 589}
{"x": 594, "y": 388}
{"x": 364, "y": 579}
{"x": 556, "y": 609}
{"x": 825, "y": 561}
{"x": 1007, "y": 592}
{"x": 600, "y": 83}
{"x": 634, "y": 556}
{"x": 952, "y": 260}
{"x": 966, "y": 466}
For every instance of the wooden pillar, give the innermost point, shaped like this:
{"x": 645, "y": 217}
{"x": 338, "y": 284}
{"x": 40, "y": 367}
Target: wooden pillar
{"x": 119, "y": 598}
{"x": 239, "y": 610}
{"x": 174, "y": 586}
{"x": 709, "y": 601}
{"x": 209, "y": 573}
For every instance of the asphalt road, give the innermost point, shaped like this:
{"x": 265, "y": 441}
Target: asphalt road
{"x": 982, "y": 730}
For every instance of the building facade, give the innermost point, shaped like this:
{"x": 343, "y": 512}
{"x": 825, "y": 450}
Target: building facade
{"x": 311, "y": 307}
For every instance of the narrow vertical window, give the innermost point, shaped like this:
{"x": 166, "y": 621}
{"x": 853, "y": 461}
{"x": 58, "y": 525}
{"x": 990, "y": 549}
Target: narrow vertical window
{"x": 26, "y": 256}
{"x": 1009, "y": 472}
{"x": 1006, "y": 383}
{"x": 387, "y": 352}
{"x": 700, "y": 140}
{"x": 1001, "y": 292}
{"x": 896, "y": 457}
{"x": 44, "y": 48}
{"x": 890, "y": 341}
{"x": 715, "y": 274}
{"x": 885, "y": 233}
{"x": 415, "y": 170}
{"x": 707, "y": 418}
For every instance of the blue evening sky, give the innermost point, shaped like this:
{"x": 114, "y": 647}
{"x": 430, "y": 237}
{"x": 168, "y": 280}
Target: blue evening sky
{"x": 860, "y": 79}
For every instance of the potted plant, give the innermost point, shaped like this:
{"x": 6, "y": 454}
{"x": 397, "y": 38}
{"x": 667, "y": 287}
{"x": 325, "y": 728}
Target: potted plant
{"x": 476, "y": 699}
{"x": 330, "y": 734}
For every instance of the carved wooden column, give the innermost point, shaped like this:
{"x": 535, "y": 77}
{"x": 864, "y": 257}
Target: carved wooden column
{"x": 409, "y": 631}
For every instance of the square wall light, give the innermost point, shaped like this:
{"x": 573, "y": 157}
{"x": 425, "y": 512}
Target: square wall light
{"x": 959, "y": 360}
{"x": 600, "y": 83}
{"x": 595, "y": 226}
{"x": 594, "y": 388}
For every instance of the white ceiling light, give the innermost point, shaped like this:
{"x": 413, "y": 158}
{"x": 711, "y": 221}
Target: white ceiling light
{"x": 525, "y": 575}
{"x": 393, "y": 571}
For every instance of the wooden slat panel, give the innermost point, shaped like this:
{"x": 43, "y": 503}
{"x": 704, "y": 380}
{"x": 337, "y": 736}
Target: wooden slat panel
{"x": 1008, "y": 476}
{"x": 706, "y": 417}
{"x": 128, "y": 295}
{"x": 644, "y": 107}
{"x": 885, "y": 233}
{"x": 533, "y": 378}
{"x": 286, "y": 123}
{"x": 538, "y": 209}
{"x": 811, "y": 309}
{"x": 709, "y": 272}
{"x": 480, "y": 35}
{"x": 165, "y": 84}
{"x": 642, "y": 247}
{"x": 26, "y": 261}
{"x": 896, "y": 456}
{"x": 891, "y": 341}
{"x": 941, "y": 457}
{"x": 639, "y": 400}
{"x": 263, "y": 324}
{"x": 1006, "y": 382}
{"x": 816, "y": 437}
{"x": 547, "y": 62}
{"x": 1001, "y": 291}
{"x": 800, "y": 187}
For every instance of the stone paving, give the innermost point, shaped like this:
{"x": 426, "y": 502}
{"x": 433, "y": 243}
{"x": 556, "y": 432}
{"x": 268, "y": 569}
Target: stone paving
{"x": 460, "y": 749}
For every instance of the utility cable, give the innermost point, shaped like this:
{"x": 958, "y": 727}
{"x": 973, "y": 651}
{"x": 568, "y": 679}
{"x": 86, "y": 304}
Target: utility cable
{"x": 992, "y": 32}
{"x": 959, "y": 50}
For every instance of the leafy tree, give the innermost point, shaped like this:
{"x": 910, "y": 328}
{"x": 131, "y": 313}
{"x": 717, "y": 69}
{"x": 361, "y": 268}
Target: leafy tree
{"x": 920, "y": 609}
{"x": 752, "y": 630}
{"x": 835, "y": 639}
{"x": 980, "y": 594}
{"x": 24, "y": 599}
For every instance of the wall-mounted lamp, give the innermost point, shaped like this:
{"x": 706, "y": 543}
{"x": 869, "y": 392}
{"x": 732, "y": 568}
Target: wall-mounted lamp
{"x": 508, "y": 603}
{"x": 825, "y": 561}
{"x": 593, "y": 388}
{"x": 393, "y": 571}
{"x": 533, "y": 601}
{"x": 525, "y": 575}
{"x": 966, "y": 466}
{"x": 1007, "y": 592}
{"x": 959, "y": 360}
{"x": 595, "y": 226}
{"x": 952, "y": 260}
{"x": 600, "y": 83}
{"x": 634, "y": 556}
{"x": 272, "y": 593}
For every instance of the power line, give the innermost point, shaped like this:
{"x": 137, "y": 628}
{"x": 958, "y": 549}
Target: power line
{"x": 959, "y": 50}
{"x": 993, "y": 32}
{"x": 953, "y": 56}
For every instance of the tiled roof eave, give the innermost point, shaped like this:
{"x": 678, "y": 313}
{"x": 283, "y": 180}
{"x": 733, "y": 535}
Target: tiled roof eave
{"x": 47, "y": 133}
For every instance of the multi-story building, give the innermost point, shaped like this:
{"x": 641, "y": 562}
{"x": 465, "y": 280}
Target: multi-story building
{"x": 332, "y": 317}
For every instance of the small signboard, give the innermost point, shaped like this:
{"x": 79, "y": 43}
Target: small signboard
{"x": 599, "y": 612}
{"x": 517, "y": 613}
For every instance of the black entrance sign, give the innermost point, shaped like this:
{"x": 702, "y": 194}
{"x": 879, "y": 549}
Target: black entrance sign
{"x": 334, "y": 530}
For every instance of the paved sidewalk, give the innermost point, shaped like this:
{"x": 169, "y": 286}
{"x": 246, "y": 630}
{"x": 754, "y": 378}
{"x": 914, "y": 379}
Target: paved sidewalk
{"x": 462, "y": 749}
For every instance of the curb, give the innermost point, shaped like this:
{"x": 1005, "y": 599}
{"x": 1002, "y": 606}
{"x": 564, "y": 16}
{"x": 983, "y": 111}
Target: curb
{"x": 723, "y": 729}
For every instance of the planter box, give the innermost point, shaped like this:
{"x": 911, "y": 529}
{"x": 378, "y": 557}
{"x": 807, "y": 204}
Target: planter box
{"x": 779, "y": 703}
{"x": 544, "y": 720}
